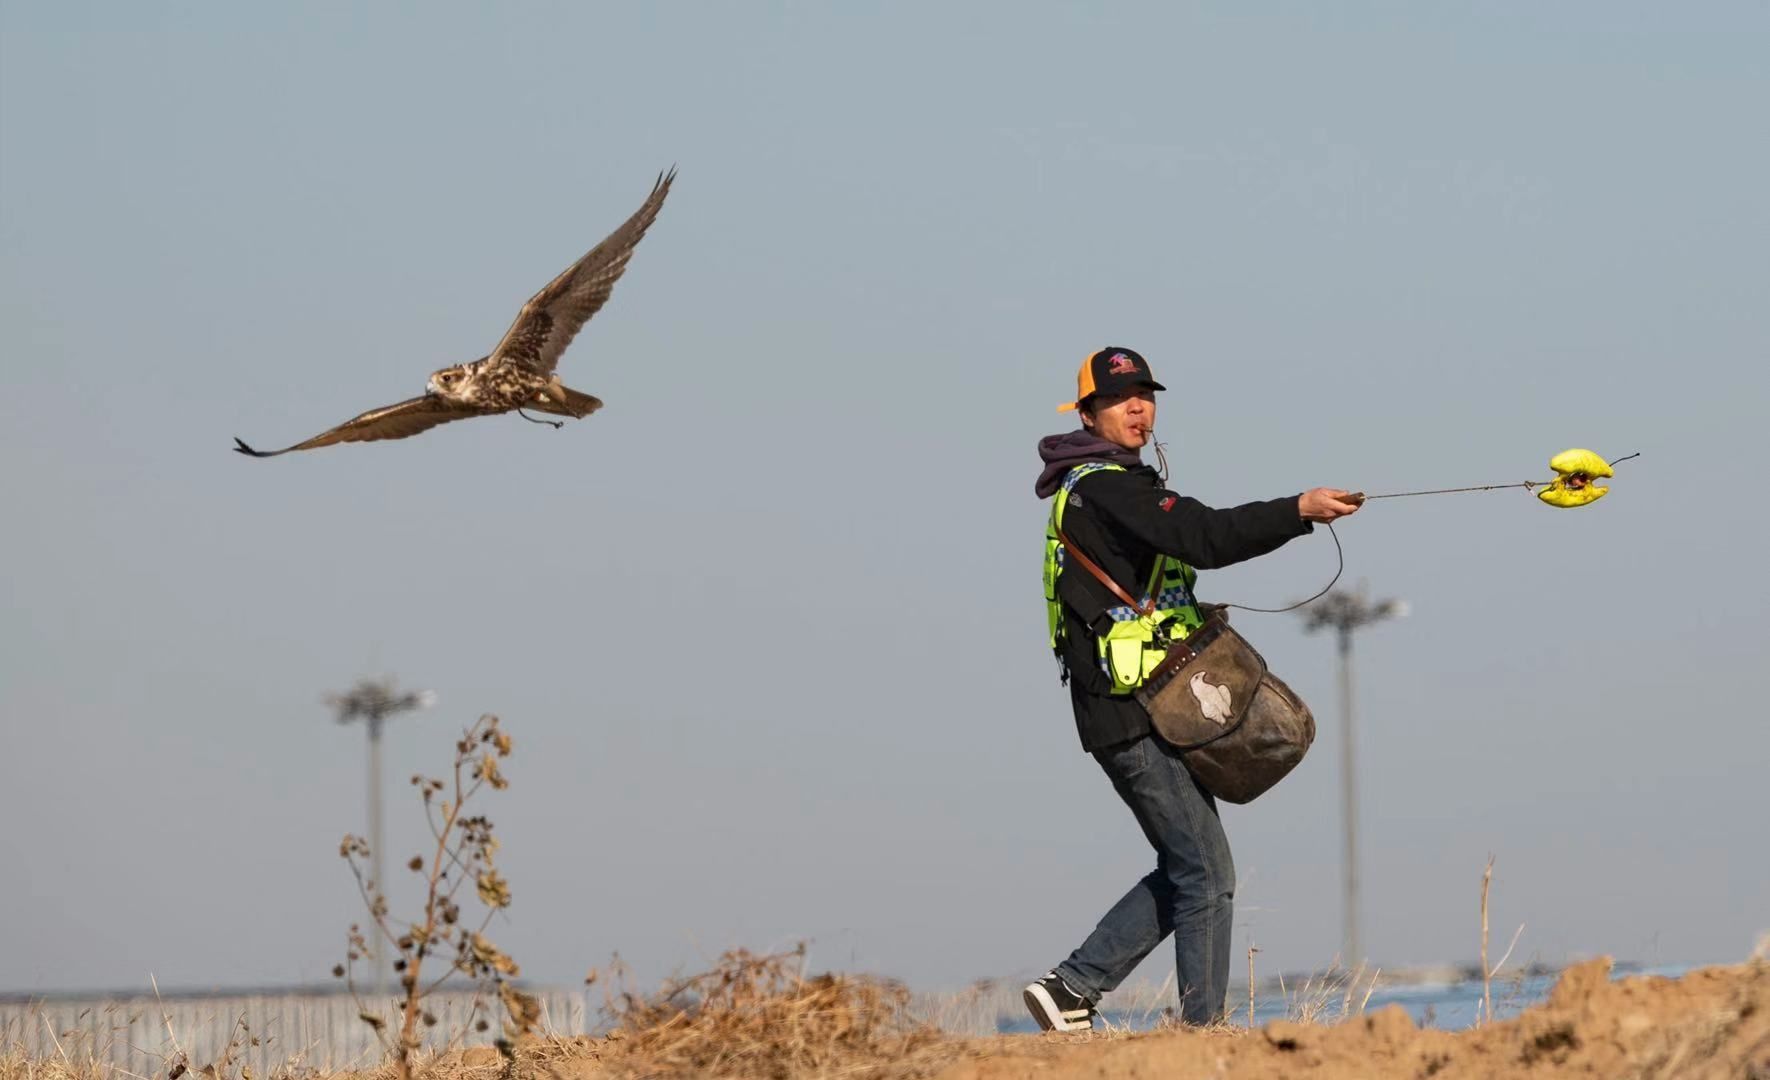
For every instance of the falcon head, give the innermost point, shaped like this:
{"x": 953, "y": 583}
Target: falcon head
{"x": 451, "y": 383}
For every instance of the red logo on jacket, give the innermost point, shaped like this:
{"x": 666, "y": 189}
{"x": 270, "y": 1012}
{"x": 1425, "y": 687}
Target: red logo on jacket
{"x": 1167, "y": 503}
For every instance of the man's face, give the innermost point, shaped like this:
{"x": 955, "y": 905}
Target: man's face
{"x": 1125, "y": 419}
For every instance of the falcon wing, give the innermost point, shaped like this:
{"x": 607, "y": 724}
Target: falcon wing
{"x": 388, "y": 422}
{"x": 553, "y": 316}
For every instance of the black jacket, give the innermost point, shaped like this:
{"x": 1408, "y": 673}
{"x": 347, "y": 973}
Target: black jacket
{"x": 1123, "y": 520}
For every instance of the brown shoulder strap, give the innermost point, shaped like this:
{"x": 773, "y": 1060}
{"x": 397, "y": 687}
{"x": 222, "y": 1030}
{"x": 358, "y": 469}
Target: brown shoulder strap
{"x": 1094, "y": 568}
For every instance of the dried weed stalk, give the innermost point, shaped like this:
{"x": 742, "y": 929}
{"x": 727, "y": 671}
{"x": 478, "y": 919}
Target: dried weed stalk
{"x": 463, "y": 855}
{"x": 761, "y": 1016}
{"x": 1252, "y": 949}
{"x": 239, "y": 1038}
{"x": 1484, "y": 1011}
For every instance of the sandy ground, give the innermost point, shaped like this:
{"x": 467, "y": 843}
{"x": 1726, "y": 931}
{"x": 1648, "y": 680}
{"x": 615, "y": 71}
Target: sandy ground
{"x": 1711, "y": 1023}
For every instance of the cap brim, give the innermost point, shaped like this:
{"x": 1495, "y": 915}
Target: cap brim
{"x": 1151, "y": 384}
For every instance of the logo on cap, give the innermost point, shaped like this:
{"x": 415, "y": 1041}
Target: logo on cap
{"x": 1120, "y": 364}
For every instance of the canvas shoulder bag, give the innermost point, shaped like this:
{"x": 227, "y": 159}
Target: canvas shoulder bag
{"x": 1238, "y": 727}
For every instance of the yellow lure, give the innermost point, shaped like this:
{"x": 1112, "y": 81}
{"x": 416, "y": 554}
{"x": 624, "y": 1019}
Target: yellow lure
{"x": 1576, "y": 476}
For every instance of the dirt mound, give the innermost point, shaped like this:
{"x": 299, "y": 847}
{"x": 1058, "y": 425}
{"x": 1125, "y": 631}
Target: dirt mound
{"x": 1712, "y": 1023}
{"x": 755, "y": 1017}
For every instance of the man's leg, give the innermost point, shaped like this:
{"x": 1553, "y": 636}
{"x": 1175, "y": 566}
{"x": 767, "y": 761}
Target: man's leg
{"x": 1203, "y": 913}
{"x": 1190, "y": 893}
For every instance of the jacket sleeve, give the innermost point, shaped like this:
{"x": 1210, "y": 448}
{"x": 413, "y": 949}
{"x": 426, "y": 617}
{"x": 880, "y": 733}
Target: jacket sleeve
{"x": 1189, "y": 530}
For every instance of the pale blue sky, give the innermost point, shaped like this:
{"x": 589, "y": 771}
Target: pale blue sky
{"x": 1370, "y": 245}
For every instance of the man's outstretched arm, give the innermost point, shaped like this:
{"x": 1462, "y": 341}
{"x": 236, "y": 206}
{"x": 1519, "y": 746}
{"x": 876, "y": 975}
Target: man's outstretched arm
{"x": 1203, "y": 536}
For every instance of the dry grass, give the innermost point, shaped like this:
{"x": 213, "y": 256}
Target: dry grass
{"x": 975, "y": 1011}
{"x": 761, "y": 1016}
{"x": 1333, "y": 995}
{"x": 92, "y": 1053}
{"x": 15, "y": 1064}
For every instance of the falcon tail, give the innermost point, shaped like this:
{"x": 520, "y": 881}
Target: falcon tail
{"x": 576, "y": 404}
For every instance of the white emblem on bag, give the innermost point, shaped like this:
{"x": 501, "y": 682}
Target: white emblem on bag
{"x": 1213, "y": 701}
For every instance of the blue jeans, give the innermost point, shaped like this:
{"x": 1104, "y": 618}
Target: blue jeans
{"x": 1190, "y": 893}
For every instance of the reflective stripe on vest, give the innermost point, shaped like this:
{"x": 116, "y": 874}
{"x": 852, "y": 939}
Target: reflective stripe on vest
{"x": 1135, "y": 643}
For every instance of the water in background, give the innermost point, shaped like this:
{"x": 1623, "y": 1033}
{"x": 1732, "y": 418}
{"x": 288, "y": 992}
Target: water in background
{"x": 1446, "y": 1006}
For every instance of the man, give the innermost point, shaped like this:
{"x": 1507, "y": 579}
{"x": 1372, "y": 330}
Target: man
{"x": 1113, "y": 507}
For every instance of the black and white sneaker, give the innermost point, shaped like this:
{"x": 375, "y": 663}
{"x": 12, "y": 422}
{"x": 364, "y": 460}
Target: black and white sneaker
{"x": 1056, "y": 1007}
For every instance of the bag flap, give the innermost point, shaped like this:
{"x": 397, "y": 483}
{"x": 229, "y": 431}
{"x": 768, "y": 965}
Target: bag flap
{"x": 1202, "y": 691}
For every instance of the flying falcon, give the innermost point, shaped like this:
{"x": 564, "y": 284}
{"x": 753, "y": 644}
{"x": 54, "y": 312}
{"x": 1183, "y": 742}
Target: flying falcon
{"x": 519, "y": 373}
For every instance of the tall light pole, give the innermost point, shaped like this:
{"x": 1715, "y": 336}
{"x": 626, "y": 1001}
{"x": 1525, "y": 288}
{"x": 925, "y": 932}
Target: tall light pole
{"x": 1346, "y": 612}
{"x": 373, "y": 701}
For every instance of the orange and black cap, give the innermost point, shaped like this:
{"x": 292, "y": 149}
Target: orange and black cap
{"x": 1112, "y": 370}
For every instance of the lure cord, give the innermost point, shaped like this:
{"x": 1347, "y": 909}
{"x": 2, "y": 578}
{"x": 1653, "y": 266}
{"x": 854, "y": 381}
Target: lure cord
{"x": 1162, "y": 460}
{"x": 1527, "y": 485}
{"x": 1340, "y": 551}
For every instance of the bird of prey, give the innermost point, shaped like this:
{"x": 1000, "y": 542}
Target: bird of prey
{"x": 519, "y": 372}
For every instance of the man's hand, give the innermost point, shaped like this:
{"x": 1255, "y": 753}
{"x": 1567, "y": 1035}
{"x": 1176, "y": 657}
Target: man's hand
{"x": 1326, "y": 504}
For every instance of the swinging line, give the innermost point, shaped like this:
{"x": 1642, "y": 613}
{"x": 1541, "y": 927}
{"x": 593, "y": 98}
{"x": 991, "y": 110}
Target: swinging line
{"x": 1527, "y": 485}
{"x": 1340, "y": 551}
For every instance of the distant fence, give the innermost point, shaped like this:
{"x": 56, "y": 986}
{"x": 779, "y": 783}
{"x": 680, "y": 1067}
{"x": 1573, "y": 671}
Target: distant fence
{"x": 142, "y": 1036}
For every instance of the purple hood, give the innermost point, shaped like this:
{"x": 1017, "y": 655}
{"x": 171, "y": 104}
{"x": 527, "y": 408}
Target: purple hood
{"x": 1064, "y": 452}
